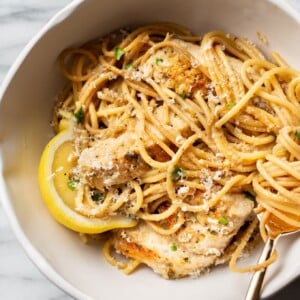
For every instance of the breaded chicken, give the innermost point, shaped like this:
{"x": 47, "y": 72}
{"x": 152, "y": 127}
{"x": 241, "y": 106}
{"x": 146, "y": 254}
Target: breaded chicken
{"x": 112, "y": 161}
{"x": 194, "y": 248}
{"x": 181, "y": 72}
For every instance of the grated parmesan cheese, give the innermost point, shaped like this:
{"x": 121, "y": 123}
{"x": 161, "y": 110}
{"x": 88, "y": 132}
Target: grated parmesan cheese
{"x": 183, "y": 190}
{"x": 218, "y": 175}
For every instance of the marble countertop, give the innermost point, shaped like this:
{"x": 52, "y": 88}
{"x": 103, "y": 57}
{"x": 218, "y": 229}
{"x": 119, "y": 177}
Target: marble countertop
{"x": 20, "y": 20}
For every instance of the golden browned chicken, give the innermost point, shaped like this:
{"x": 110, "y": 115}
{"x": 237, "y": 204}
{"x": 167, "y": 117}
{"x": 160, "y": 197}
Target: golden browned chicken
{"x": 190, "y": 251}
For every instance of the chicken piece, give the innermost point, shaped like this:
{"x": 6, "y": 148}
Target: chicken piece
{"x": 116, "y": 160}
{"x": 112, "y": 161}
{"x": 194, "y": 248}
{"x": 176, "y": 70}
{"x": 193, "y": 49}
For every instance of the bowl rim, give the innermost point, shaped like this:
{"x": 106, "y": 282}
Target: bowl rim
{"x": 32, "y": 253}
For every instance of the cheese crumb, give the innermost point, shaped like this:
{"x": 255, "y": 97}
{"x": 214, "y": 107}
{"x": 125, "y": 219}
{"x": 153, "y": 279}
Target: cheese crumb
{"x": 183, "y": 190}
{"x": 172, "y": 101}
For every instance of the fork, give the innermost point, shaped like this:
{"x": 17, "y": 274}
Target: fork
{"x": 255, "y": 286}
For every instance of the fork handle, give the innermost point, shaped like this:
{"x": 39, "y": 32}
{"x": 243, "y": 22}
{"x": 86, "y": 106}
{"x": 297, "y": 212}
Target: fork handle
{"x": 256, "y": 282}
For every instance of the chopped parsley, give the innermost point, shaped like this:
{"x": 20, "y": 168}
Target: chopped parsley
{"x": 183, "y": 95}
{"x": 173, "y": 247}
{"x": 230, "y": 104}
{"x": 79, "y": 115}
{"x": 223, "y": 221}
{"x": 158, "y": 61}
{"x": 118, "y": 53}
{"x": 213, "y": 232}
{"x": 249, "y": 196}
{"x": 128, "y": 66}
{"x": 177, "y": 173}
{"x": 97, "y": 195}
{"x": 72, "y": 184}
{"x": 297, "y": 134}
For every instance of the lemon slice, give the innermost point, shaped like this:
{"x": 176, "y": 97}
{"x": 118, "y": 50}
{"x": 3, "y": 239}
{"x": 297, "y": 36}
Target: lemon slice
{"x": 53, "y": 177}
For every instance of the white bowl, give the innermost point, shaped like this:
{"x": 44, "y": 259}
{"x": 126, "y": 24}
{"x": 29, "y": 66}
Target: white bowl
{"x": 25, "y": 111}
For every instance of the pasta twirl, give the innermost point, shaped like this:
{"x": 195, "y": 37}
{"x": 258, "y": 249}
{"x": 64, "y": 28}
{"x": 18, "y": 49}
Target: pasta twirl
{"x": 192, "y": 136}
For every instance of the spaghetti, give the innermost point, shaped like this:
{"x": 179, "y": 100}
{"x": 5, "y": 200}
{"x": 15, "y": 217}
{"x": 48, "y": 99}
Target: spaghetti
{"x": 169, "y": 124}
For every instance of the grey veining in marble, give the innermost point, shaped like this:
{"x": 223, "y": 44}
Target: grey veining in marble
{"x": 20, "y": 20}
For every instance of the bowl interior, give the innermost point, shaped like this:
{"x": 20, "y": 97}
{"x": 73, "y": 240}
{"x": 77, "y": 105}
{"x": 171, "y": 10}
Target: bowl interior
{"x": 25, "y": 114}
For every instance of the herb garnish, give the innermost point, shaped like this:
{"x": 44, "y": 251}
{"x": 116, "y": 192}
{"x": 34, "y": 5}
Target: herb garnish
{"x": 213, "y": 232}
{"x": 230, "y": 104}
{"x": 297, "y": 134}
{"x": 79, "y": 115}
{"x": 97, "y": 195}
{"x": 128, "y": 66}
{"x": 177, "y": 173}
{"x": 158, "y": 61}
{"x": 223, "y": 221}
{"x": 173, "y": 247}
{"x": 118, "y": 53}
{"x": 183, "y": 95}
{"x": 72, "y": 184}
